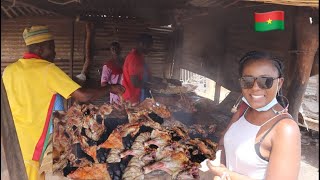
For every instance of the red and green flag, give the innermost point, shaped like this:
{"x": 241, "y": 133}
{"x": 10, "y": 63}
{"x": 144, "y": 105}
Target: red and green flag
{"x": 273, "y": 20}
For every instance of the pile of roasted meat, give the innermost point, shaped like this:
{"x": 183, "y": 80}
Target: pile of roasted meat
{"x": 90, "y": 142}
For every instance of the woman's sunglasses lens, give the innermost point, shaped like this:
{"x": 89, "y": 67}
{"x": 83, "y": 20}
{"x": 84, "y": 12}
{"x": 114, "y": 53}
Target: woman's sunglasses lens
{"x": 263, "y": 82}
{"x": 268, "y": 82}
{"x": 246, "y": 82}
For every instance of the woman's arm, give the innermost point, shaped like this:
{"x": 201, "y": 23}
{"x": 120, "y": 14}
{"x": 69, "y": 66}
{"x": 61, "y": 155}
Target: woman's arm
{"x": 285, "y": 155}
{"x": 105, "y": 75}
{"x": 86, "y": 95}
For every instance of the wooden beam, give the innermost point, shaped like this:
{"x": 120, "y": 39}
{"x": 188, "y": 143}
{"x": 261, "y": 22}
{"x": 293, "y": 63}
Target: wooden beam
{"x": 307, "y": 44}
{"x": 10, "y": 148}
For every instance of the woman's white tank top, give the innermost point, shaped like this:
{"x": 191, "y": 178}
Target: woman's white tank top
{"x": 239, "y": 144}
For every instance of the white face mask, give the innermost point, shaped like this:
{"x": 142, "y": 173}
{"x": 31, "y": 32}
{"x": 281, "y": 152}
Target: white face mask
{"x": 269, "y": 105}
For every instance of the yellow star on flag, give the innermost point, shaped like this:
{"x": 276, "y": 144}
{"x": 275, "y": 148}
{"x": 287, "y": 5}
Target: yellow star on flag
{"x": 269, "y": 21}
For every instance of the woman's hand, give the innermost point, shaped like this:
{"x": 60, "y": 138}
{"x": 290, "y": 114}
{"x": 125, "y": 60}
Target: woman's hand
{"x": 221, "y": 171}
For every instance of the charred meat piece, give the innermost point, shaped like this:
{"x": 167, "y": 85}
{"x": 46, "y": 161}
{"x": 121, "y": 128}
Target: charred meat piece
{"x": 129, "y": 128}
{"x": 96, "y": 171}
{"x": 195, "y": 154}
{"x": 134, "y": 170}
{"x": 161, "y": 110}
{"x": 179, "y": 133}
{"x": 93, "y": 129}
{"x": 115, "y": 138}
{"x": 114, "y": 156}
{"x": 171, "y": 164}
{"x": 159, "y": 138}
{"x": 105, "y": 110}
{"x": 150, "y": 105}
{"x": 102, "y": 155}
{"x": 162, "y": 152}
{"x": 198, "y": 129}
{"x": 75, "y": 111}
{"x": 191, "y": 172}
{"x": 137, "y": 148}
{"x": 210, "y": 144}
{"x": 92, "y": 152}
{"x": 212, "y": 129}
{"x": 204, "y": 149}
{"x": 150, "y": 123}
{"x": 113, "y": 141}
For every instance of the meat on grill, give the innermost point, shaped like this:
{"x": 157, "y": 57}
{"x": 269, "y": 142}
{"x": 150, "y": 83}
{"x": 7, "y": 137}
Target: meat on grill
{"x": 159, "y": 138}
{"x": 170, "y": 164}
{"x": 114, "y": 155}
{"x": 207, "y": 151}
{"x": 134, "y": 170}
{"x": 96, "y": 171}
{"x": 137, "y": 148}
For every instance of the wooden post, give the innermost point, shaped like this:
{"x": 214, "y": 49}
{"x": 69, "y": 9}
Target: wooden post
{"x": 69, "y": 101}
{"x": 178, "y": 35}
{"x": 307, "y": 45}
{"x": 71, "y": 51}
{"x": 217, "y": 90}
{"x": 89, "y": 28}
{"x": 12, "y": 165}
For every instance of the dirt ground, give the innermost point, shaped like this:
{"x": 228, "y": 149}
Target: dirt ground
{"x": 310, "y": 140}
{"x": 309, "y": 167}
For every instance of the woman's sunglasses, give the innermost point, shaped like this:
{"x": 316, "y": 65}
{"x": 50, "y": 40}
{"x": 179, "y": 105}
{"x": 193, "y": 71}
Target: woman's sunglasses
{"x": 263, "y": 82}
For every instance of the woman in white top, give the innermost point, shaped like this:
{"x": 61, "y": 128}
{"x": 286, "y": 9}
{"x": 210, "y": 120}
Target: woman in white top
{"x": 262, "y": 141}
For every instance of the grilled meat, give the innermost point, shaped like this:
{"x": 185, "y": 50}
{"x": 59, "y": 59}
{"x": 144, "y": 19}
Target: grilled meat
{"x": 191, "y": 172}
{"x": 171, "y": 164}
{"x": 137, "y": 148}
{"x": 114, "y": 156}
{"x": 159, "y": 138}
{"x": 134, "y": 170}
{"x": 204, "y": 149}
{"x": 96, "y": 171}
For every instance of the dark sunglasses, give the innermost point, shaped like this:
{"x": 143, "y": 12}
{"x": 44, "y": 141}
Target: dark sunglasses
{"x": 263, "y": 82}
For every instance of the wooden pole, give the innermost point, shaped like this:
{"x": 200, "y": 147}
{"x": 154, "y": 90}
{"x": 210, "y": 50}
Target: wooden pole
{"x": 12, "y": 165}
{"x": 307, "y": 44}
{"x": 89, "y": 28}
{"x": 178, "y": 35}
{"x": 71, "y": 51}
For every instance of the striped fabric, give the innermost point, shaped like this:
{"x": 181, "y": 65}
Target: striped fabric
{"x": 36, "y": 34}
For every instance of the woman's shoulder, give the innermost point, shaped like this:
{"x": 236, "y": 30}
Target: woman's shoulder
{"x": 287, "y": 127}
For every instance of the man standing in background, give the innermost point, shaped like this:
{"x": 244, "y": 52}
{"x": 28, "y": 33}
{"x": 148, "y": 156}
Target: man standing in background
{"x": 31, "y": 84}
{"x": 136, "y": 74}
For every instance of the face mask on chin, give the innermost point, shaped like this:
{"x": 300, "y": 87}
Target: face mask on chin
{"x": 266, "y": 107}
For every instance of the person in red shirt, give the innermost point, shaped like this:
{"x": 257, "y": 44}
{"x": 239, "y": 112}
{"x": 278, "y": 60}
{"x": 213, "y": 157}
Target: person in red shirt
{"x": 135, "y": 71}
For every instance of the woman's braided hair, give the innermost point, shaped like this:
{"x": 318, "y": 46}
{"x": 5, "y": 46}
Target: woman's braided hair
{"x": 257, "y": 56}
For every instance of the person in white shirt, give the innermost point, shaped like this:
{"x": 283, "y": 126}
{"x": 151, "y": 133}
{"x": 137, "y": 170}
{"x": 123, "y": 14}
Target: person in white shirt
{"x": 262, "y": 141}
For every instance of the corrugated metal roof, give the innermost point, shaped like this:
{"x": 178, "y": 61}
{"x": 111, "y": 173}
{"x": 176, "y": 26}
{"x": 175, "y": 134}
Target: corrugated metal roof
{"x": 13, "y": 47}
{"x": 17, "y": 9}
